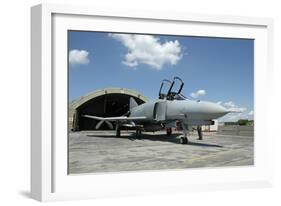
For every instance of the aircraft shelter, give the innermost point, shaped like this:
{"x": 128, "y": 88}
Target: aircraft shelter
{"x": 106, "y": 102}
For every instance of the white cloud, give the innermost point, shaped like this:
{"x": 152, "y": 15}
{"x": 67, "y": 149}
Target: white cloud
{"x": 219, "y": 102}
{"x": 238, "y": 109}
{"x": 229, "y": 104}
{"x": 147, "y": 49}
{"x": 232, "y": 107}
{"x": 199, "y": 93}
{"x": 78, "y": 57}
{"x": 233, "y": 117}
{"x": 251, "y": 113}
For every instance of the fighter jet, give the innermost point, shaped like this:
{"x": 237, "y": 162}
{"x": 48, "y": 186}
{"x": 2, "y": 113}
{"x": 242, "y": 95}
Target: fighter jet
{"x": 169, "y": 110}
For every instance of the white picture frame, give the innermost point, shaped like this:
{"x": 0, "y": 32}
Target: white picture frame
{"x": 49, "y": 179}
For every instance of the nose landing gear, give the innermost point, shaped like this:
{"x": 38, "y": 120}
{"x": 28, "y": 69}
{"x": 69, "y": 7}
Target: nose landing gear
{"x": 184, "y": 139}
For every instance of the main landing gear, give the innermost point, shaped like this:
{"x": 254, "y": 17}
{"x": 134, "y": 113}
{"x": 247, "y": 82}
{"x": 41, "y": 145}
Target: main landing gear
{"x": 184, "y": 139}
{"x": 138, "y": 133}
{"x": 118, "y": 131}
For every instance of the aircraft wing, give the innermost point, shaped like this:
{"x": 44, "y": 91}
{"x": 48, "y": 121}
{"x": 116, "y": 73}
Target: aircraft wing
{"x": 115, "y": 119}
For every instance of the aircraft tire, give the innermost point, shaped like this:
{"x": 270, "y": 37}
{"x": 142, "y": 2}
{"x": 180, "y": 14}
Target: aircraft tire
{"x": 183, "y": 140}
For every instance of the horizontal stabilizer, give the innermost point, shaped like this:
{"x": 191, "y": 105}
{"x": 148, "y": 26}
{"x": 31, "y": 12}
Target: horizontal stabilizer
{"x": 122, "y": 118}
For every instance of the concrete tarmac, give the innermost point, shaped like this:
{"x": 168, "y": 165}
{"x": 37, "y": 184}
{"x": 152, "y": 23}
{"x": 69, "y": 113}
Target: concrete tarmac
{"x": 101, "y": 151}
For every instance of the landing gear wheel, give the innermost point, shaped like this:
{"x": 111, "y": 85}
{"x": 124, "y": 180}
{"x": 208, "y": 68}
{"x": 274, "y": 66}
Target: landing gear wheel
{"x": 183, "y": 140}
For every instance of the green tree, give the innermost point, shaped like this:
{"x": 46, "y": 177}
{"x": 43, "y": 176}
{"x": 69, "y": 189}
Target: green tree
{"x": 243, "y": 121}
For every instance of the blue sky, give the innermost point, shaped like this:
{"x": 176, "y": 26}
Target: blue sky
{"x": 213, "y": 69}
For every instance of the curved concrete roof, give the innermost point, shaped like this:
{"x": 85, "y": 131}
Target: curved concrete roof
{"x": 78, "y": 102}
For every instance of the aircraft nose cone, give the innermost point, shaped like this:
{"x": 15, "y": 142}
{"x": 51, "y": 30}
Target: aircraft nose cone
{"x": 214, "y": 110}
{"x": 217, "y": 110}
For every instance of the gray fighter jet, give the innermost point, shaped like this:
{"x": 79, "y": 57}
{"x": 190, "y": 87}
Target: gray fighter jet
{"x": 170, "y": 110}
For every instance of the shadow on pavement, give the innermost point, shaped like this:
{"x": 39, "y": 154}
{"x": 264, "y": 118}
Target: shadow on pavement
{"x": 155, "y": 137}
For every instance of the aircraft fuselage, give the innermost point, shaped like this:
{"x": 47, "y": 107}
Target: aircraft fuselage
{"x": 188, "y": 111}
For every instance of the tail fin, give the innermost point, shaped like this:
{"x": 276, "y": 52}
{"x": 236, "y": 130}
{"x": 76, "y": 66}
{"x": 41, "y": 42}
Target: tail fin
{"x": 133, "y": 103}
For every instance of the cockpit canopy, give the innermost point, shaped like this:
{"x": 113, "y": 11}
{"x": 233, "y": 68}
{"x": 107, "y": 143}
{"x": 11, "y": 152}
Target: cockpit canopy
{"x": 172, "y": 94}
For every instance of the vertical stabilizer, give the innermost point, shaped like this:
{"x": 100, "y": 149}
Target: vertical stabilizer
{"x": 133, "y": 103}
